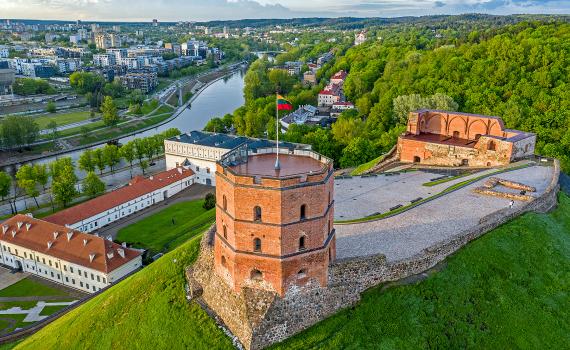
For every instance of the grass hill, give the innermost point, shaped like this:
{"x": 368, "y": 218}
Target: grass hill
{"x": 508, "y": 289}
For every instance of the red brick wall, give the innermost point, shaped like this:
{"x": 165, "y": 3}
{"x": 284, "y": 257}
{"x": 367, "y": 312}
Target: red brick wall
{"x": 280, "y": 229}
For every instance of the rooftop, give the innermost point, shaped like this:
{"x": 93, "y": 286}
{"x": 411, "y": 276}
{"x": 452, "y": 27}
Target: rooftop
{"x": 70, "y": 245}
{"x": 138, "y": 186}
{"x": 291, "y": 164}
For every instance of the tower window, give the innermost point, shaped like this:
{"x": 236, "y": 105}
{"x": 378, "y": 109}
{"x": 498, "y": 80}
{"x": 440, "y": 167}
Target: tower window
{"x": 224, "y": 264}
{"x": 256, "y": 275}
{"x": 302, "y": 243}
{"x": 225, "y": 202}
{"x": 491, "y": 146}
{"x": 303, "y": 212}
{"x": 302, "y": 273}
{"x": 257, "y": 213}
{"x": 256, "y": 245}
{"x": 225, "y": 232}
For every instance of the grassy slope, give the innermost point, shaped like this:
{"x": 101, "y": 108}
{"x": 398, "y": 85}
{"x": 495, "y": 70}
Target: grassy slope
{"x": 28, "y": 287}
{"x": 363, "y": 167}
{"x": 62, "y": 118}
{"x": 157, "y": 232}
{"x": 509, "y": 289}
{"x": 146, "y": 311}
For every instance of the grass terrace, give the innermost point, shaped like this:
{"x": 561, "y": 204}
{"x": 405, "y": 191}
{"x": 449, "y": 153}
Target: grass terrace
{"x": 29, "y": 287}
{"x": 169, "y": 228}
{"x": 62, "y": 118}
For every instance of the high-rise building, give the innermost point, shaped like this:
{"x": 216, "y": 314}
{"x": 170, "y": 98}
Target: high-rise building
{"x": 155, "y": 23}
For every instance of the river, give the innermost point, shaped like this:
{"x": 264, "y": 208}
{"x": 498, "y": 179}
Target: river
{"x": 216, "y": 100}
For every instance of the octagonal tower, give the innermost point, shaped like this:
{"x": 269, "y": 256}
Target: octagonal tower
{"x": 274, "y": 228}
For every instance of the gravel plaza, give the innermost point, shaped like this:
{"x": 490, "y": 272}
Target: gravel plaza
{"x": 406, "y": 234}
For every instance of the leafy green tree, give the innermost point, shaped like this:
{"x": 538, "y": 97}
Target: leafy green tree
{"x": 405, "y": 104}
{"x": 41, "y": 175}
{"x": 109, "y": 110}
{"x": 99, "y": 160}
{"x": 358, "y": 151}
{"x": 27, "y": 181}
{"x": 52, "y": 125}
{"x": 5, "y": 183}
{"x": 140, "y": 146}
{"x": 51, "y": 107}
{"x": 346, "y": 129}
{"x": 18, "y": 131}
{"x": 84, "y": 82}
{"x": 127, "y": 151}
{"x": 144, "y": 165}
{"x": 63, "y": 187}
{"x": 86, "y": 161}
{"x": 209, "y": 201}
{"x": 112, "y": 156}
{"x": 92, "y": 185}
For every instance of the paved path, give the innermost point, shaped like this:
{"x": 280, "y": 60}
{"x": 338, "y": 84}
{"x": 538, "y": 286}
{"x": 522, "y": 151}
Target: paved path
{"x": 406, "y": 234}
{"x": 196, "y": 191}
{"x": 7, "y": 278}
{"x": 360, "y": 197}
{"x": 36, "y": 298}
{"x": 33, "y": 314}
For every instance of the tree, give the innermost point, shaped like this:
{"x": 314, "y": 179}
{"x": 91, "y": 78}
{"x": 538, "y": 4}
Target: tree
{"x": 99, "y": 160}
{"x": 209, "y": 201}
{"x": 52, "y": 125}
{"x": 112, "y": 156}
{"x": 405, "y": 104}
{"x": 18, "y": 131}
{"x": 109, "y": 110}
{"x": 41, "y": 175}
{"x": 140, "y": 149}
{"x": 144, "y": 165}
{"x": 127, "y": 151}
{"x": 5, "y": 183}
{"x": 86, "y": 161}
{"x": 63, "y": 188}
{"x": 358, "y": 151}
{"x": 346, "y": 129}
{"x": 92, "y": 185}
{"x": 27, "y": 181}
{"x": 84, "y": 82}
{"x": 51, "y": 107}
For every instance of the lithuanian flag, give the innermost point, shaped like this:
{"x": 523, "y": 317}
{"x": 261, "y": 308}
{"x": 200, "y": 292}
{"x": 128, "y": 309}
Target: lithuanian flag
{"x": 283, "y": 104}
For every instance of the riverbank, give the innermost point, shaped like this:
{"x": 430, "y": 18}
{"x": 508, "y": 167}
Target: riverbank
{"x": 204, "y": 81}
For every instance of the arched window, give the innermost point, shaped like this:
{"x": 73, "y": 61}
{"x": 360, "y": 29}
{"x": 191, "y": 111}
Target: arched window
{"x": 257, "y": 213}
{"x": 303, "y": 212}
{"x": 302, "y": 243}
{"x": 491, "y": 146}
{"x": 417, "y": 159}
{"x": 224, "y": 264}
{"x": 256, "y": 245}
{"x": 302, "y": 273}
{"x": 225, "y": 232}
{"x": 225, "y": 202}
{"x": 256, "y": 275}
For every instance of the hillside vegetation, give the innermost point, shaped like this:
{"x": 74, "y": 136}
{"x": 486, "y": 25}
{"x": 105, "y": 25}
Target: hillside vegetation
{"x": 520, "y": 72}
{"x": 507, "y": 289}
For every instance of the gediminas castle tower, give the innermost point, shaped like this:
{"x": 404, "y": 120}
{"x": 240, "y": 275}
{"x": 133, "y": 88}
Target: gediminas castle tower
{"x": 274, "y": 227}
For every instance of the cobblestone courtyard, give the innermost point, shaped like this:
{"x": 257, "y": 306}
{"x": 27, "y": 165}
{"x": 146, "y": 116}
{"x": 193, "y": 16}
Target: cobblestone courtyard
{"x": 406, "y": 234}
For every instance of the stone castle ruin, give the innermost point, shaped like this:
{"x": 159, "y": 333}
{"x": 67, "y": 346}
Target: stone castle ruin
{"x": 268, "y": 268}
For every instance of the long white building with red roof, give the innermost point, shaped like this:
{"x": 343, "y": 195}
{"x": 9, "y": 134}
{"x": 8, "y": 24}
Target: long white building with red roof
{"x": 138, "y": 195}
{"x": 66, "y": 256}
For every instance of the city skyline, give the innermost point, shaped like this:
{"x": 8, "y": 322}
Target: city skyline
{"x": 193, "y": 10}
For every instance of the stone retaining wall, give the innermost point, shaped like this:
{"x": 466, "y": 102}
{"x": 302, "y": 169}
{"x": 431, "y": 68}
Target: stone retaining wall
{"x": 259, "y": 319}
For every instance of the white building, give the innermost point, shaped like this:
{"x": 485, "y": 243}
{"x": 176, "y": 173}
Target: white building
{"x": 138, "y": 195}
{"x": 199, "y": 151}
{"x": 104, "y": 60}
{"x": 4, "y": 52}
{"x": 360, "y": 38}
{"x": 68, "y": 65}
{"x": 72, "y": 258}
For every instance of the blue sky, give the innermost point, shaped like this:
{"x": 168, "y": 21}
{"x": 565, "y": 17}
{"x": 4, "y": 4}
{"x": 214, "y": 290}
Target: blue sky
{"x": 173, "y": 10}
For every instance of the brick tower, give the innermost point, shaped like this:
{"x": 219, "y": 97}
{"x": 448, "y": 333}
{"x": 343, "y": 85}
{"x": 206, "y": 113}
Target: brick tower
{"x": 274, "y": 228}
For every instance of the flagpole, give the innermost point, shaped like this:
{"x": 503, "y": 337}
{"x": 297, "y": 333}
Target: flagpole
{"x": 277, "y": 165}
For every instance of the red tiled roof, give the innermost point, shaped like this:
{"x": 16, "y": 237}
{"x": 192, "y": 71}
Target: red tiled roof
{"x": 138, "y": 186}
{"x": 326, "y": 92}
{"x": 339, "y": 75}
{"x": 81, "y": 248}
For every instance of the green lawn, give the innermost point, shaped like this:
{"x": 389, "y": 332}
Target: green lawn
{"x": 29, "y": 287}
{"x": 51, "y": 309}
{"x": 24, "y": 305}
{"x": 509, "y": 289}
{"x": 158, "y": 233}
{"x": 7, "y": 327}
{"x": 363, "y": 167}
{"x": 62, "y": 118}
{"x": 163, "y": 109}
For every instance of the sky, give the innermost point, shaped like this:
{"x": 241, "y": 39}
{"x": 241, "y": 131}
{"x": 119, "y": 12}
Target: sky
{"x": 204, "y": 10}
